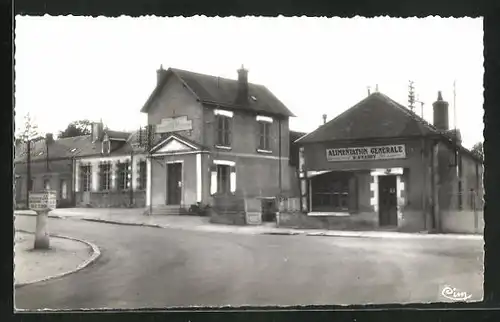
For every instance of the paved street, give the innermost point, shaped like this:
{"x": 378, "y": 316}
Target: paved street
{"x": 154, "y": 267}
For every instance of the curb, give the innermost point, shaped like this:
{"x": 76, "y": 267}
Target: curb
{"x": 33, "y": 215}
{"x": 96, "y": 253}
{"x": 113, "y": 222}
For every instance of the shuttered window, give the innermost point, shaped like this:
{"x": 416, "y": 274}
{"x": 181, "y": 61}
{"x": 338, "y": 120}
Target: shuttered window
{"x": 223, "y": 179}
{"x": 223, "y": 130}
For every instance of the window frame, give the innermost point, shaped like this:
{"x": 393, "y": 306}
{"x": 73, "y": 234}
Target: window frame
{"x": 337, "y": 192}
{"x": 123, "y": 172}
{"x": 105, "y": 174}
{"x": 223, "y": 173}
{"x": 264, "y": 136}
{"x": 223, "y": 131}
{"x": 86, "y": 177}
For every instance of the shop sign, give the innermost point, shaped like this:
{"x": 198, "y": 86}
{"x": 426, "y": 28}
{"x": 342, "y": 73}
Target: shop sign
{"x": 174, "y": 124}
{"x": 41, "y": 201}
{"x": 384, "y": 152}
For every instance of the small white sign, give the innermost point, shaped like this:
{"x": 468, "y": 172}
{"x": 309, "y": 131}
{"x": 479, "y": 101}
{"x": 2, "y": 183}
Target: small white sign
{"x": 384, "y": 152}
{"x": 42, "y": 201}
{"x": 174, "y": 124}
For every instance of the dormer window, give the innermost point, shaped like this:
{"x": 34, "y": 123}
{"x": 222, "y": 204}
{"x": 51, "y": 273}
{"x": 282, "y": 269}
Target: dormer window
{"x": 106, "y": 145}
{"x": 264, "y": 124}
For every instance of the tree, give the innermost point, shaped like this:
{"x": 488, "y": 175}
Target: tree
{"x": 76, "y": 128}
{"x": 28, "y": 135}
{"x": 477, "y": 149}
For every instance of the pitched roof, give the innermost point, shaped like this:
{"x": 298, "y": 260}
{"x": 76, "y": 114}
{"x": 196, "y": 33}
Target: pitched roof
{"x": 78, "y": 146}
{"x": 376, "y": 116}
{"x": 220, "y": 91}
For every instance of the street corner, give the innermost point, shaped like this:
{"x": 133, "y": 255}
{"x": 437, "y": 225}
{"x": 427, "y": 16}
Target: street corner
{"x": 66, "y": 255}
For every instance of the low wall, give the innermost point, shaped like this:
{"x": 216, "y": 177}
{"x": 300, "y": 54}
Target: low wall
{"x": 361, "y": 221}
{"x": 228, "y": 210}
{"x": 113, "y": 199}
{"x": 464, "y": 222}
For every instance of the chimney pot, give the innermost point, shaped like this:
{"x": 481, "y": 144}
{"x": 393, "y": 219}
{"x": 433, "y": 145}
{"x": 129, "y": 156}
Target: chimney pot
{"x": 160, "y": 74}
{"x": 324, "y": 118}
{"x": 97, "y": 130}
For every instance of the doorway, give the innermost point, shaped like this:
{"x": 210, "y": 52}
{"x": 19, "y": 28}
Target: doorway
{"x": 174, "y": 183}
{"x": 388, "y": 206}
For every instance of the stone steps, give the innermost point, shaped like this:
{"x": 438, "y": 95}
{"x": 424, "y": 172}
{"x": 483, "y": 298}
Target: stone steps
{"x": 168, "y": 210}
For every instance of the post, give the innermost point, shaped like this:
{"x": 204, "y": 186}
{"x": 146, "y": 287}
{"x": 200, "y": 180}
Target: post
{"x": 131, "y": 179}
{"x": 279, "y": 156}
{"x": 28, "y": 176}
{"x": 42, "y": 240}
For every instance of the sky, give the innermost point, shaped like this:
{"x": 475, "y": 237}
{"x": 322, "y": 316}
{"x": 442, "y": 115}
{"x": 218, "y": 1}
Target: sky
{"x": 70, "y": 68}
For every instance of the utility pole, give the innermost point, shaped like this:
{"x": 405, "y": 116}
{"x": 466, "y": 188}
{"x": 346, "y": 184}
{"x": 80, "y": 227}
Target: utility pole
{"x": 28, "y": 165}
{"x": 411, "y": 96}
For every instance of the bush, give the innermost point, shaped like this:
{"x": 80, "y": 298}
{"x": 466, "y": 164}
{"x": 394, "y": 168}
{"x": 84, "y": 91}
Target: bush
{"x": 199, "y": 209}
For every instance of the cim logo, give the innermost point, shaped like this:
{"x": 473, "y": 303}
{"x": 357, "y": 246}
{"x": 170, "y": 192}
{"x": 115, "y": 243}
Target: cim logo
{"x": 453, "y": 294}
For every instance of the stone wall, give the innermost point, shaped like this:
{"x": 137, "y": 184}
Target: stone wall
{"x": 464, "y": 222}
{"x": 228, "y": 210}
{"x": 361, "y": 221}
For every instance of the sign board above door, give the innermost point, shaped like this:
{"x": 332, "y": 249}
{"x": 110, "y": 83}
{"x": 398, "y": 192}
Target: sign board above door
{"x": 384, "y": 152}
{"x": 174, "y": 124}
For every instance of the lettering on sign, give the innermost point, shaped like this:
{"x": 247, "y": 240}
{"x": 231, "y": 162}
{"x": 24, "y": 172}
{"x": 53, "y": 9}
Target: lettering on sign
{"x": 40, "y": 201}
{"x": 385, "y": 152}
{"x": 451, "y": 293}
{"x": 174, "y": 124}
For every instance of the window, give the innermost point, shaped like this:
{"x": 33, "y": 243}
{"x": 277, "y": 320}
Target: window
{"x": 223, "y": 181}
{"x": 223, "y": 130}
{"x": 143, "y": 176}
{"x": 330, "y": 192}
{"x": 64, "y": 189}
{"x": 86, "y": 177}
{"x": 123, "y": 175}
{"x": 264, "y": 129}
{"x": 105, "y": 176}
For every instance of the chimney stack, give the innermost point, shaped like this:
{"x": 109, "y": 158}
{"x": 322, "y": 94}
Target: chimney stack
{"x": 441, "y": 113}
{"x": 49, "y": 137}
{"x": 242, "y": 96}
{"x": 160, "y": 74}
{"x": 97, "y": 130}
{"x": 324, "y": 118}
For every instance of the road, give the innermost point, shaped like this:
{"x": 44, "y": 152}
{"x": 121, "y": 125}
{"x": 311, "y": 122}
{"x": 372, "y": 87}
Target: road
{"x": 151, "y": 267}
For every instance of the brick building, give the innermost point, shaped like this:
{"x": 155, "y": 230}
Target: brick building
{"x": 102, "y": 169}
{"x": 215, "y": 137}
{"x": 379, "y": 164}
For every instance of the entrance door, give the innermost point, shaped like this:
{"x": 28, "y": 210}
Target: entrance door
{"x": 174, "y": 183}
{"x": 387, "y": 200}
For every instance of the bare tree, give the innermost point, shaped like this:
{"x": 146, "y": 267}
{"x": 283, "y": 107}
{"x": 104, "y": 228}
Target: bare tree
{"x": 27, "y": 136}
{"x": 478, "y": 149}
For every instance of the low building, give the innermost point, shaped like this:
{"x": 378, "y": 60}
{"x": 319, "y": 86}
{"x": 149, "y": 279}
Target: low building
{"x": 215, "y": 137}
{"x": 102, "y": 169}
{"x": 379, "y": 164}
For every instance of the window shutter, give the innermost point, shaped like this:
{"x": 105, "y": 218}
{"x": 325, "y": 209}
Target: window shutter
{"x": 213, "y": 180}
{"x": 353, "y": 193}
{"x": 232, "y": 179}
{"x": 229, "y": 129}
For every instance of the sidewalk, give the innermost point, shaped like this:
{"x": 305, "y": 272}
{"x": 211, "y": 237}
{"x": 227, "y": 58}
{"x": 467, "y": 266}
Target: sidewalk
{"x": 135, "y": 216}
{"x": 65, "y": 256}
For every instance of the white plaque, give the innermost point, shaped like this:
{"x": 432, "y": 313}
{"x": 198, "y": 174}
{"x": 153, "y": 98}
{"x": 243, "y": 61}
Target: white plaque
{"x": 42, "y": 201}
{"x": 384, "y": 152}
{"x": 174, "y": 124}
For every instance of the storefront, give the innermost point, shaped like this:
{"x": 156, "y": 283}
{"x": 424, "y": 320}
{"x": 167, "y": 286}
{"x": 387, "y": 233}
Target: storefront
{"x": 380, "y": 165}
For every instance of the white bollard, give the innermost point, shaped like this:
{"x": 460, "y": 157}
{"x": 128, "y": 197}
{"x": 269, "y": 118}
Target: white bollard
{"x": 42, "y": 240}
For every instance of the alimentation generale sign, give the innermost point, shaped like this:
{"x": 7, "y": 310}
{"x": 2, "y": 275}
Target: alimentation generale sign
{"x": 383, "y": 152}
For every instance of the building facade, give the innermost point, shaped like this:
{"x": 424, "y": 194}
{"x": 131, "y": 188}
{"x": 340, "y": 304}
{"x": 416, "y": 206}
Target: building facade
{"x": 104, "y": 169}
{"x": 215, "y": 137}
{"x": 380, "y": 165}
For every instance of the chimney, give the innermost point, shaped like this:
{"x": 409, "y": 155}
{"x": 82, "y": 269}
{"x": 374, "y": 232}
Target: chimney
{"x": 441, "y": 113}
{"x": 160, "y": 74}
{"x": 97, "y": 129}
{"x": 242, "y": 95}
{"x": 49, "y": 137}
{"x": 324, "y": 118}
